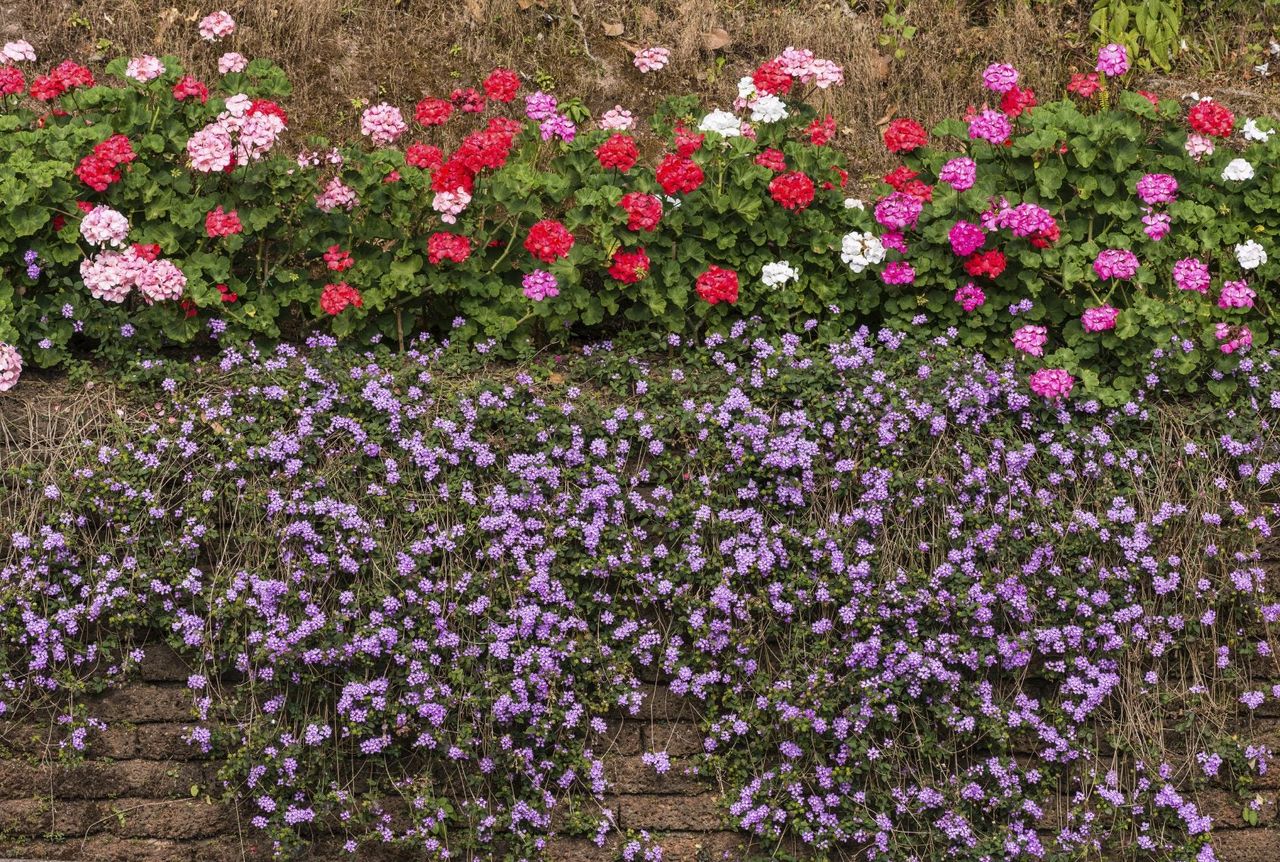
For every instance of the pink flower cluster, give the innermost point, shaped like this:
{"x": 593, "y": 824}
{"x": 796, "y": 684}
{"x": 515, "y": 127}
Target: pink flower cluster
{"x": 450, "y": 205}
{"x": 337, "y": 195}
{"x": 1236, "y": 294}
{"x": 245, "y": 132}
{"x": 217, "y": 26}
{"x": 807, "y": 69}
{"x": 1232, "y": 338}
{"x": 10, "y": 366}
{"x": 1117, "y": 263}
{"x": 1113, "y": 60}
{"x": 1000, "y": 78}
{"x": 966, "y": 238}
{"x": 1190, "y": 274}
{"x": 652, "y": 59}
{"x": 991, "y": 126}
{"x": 960, "y": 173}
{"x": 1052, "y": 383}
{"x": 1031, "y": 339}
{"x": 899, "y": 211}
{"x": 1099, "y": 319}
{"x": 970, "y": 297}
{"x": 1157, "y": 189}
{"x": 1026, "y": 219}
{"x": 110, "y": 276}
{"x": 104, "y": 226}
{"x": 617, "y": 119}
{"x": 539, "y": 285}
{"x": 898, "y": 272}
{"x": 18, "y": 52}
{"x": 231, "y": 62}
{"x": 143, "y": 69}
{"x": 383, "y": 124}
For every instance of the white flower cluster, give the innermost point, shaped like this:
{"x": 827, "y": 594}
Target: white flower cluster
{"x": 1238, "y": 170}
{"x": 860, "y": 250}
{"x": 722, "y": 123}
{"x": 1250, "y": 255}
{"x": 778, "y": 273}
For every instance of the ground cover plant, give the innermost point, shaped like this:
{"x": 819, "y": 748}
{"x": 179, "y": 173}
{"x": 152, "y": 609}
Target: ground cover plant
{"x": 1079, "y": 234}
{"x": 919, "y": 612}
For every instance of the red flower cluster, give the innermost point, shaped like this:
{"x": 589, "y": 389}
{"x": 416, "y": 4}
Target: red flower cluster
{"x": 488, "y": 148}
{"x": 338, "y": 296}
{"x": 1210, "y": 118}
{"x": 821, "y": 132}
{"x": 100, "y": 168}
{"x": 843, "y": 176}
{"x": 643, "y": 211}
{"x": 718, "y": 285}
{"x": 772, "y": 159}
{"x": 1150, "y": 97}
{"x": 792, "y": 191}
{"x": 451, "y": 176}
{"x": 423, "y": 156}
{"x": 903, "y": 179}
{"x": 468, "y": 100}
{"x": 12, "y": 81}
{"x": 338, "y": 259}
{"x": 1016, "y": 100}
{"x": 678, "y": 174}
{"x": 988, "y": 263}
{"x": 619, "y": 152}
{"x": 448, "y": 246}
{"x": 227, "y": 294}
{"x": 219, "y": 222}
{"x": 548, "y": 241}
{"x": 65, "y": 76}
{"x": 502, "y": 85}
{"x": 1047, "y": 237}
{"x": 1084, "y": 85}
{"x": 147, "y": 251}
{"x": 630, "y": 266}
{"x": 270, "y": 108}
{"x": 188, "y": 87}
{"x": 904, "y": 135}
{"x": 770, "y": 78}
{"x": 433, "y": 112}
{"x": 687, "y": 143}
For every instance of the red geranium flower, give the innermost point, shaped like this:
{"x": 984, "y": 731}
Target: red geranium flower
{"x": 468, "y": 100}
{"x": 718, "y": 285}
{"x": 269, "y": 108}
{"x": 1084, "y": 84}
{"x": 227, "y": 294}
{"x": 1210, "y": 118}
{"x": 820, "y": 132}
{"x": 1150, "y": 97}
{"x": 423, "y": 156}
{"x": 433, "y": 112}
{"x": 451, "y": 176}
{"x": 1016, "y": 100}
{"x": 484, "y": 149}
{"x": 338, "y": 259}
{"x": 643, "y": 211}
{"x": 188, "y": 87}
{"x": 677, "y": 174}
{"x": 147, "y": 251}
{"x": 989, "y": 263}
{"x": 900, "y": 176}
{"x": 619, "y": 152}
{"x": 792, "y": 191}
{"x": 770, "y": 78}
{"x": 12, "y": 81}
{"x": 98, "y": 170}
{"x": 219, "y": 222}
{"x": 630, "y": 266}
{"x": 548, "y": 241}
{"x": 46, "y": 88}
{"x": 502, "y": 85}
{"x": 448, "y": 246}
{"x": 772, "y": 159}
{"x": 904, "y": 135}
{"x": 336, "y": 297}
{"x": 70, "y": 74}
{"x": 687, "y": 143}
{"x": 1047, "y": 237}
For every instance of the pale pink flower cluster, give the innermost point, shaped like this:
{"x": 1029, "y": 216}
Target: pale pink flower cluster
{"x": 143, "y": 69}
{"x": 210, "y": 149}
{"x": 1031, "y": 339}
{"x": 450, "y": 204}
{"x": 1233, "y": 338}
{"x": 336, "y": 195}
{"x": 1000, "y": 77}
{"x": 1198, "y": 146}
{"x": 1190, "y": 274}
{"x": 617, "y": 119}
{"x": 1113, "y": 60}
{"x": 1052, "y": 383}
{"x": 110, "y": 276}
{"x": 1099, "y": 319}
{"x": 1117, "y": 263}
{"x": 1236, "y": 294}
{"x": 383, "y": 124}
{"x": 238, "y": 136}
{"x": 217, "y": 26}
{"x": 652, "y": 59}
{"x": 10, "y": 366}
{"x": 807, "y": 69}
{"x": 104, "y": 226}
{"x": 231, "y": 62}
{"x": 18, "y": 52}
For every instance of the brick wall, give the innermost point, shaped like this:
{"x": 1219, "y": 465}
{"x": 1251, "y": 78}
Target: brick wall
{"x": 133, "y": 801}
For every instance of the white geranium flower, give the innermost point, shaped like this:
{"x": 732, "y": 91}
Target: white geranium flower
{"x": 1253, "y": 132}
{"x": 1250, "y": 255}
{"x": 674, "y": 203}
{"x": 778, "y": 273}
{"x": 768, "y": 109}
{"x": 746, "y": 89}
{"x": 854, "y": 204}
{"x": 861, "y": 250}
{"x": 1238, "y": 170}
{"x": 722, "y": 123}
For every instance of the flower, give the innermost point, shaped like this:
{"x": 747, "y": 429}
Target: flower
{"x": 778, "y": 273}
{"x": 991, "y": 126}
{"x": 219, "y": 222}
{"x": 1198, "y": 146}
{"x": 1157, "y": 225}
{"x": 619, "y": 152}
{"x": 629, "y": 267}
{"x": 217, "y": 26}
{"x": 899, "y": 211}
{"x": 502, "y": 85}
{"x": 1210, "y": 118}
{"x": 161, "y": 281}
{"x": 1233, "y": 338}
{"x": 999, "y": 77}
{"x": 558, "y": 127}
{"x": 718, "y": 285}
{"x": 210, "y": 149}
{"x": 1157, "y": 189}
{"x": 792, "y": 191}
{"x": 898, "y": 272}
{"x": 143, "y": 69}
{"x": 1098, "y": 319}
{"x": 986, "y": 263}
{"x": 432, "y": 111}
{"x": 772, "y": 159}
{"x": 12, "y": 81}
{"x": 337, "y": 195}
{"x": 336, "y": 297}
{"x": 678, "y": 174}
{"x": 820, "y": 132}
{"x": 1113, "y": 60}
{"x": 771, "y": 79}
{"x": 231, "y": 62}
{"x": 722, "y": 123}
{"x": 10, "y": 364}
{"x": 1190, "y": 274}
{"x": 1250, "y": 255}
{"x": 1084, "y": 84}
{"x": 617, "y": 119}
{"x": 1052, "y": 383}
{"x": 860, "y": 250}
{"x": 1017, "y": 101}
{"x": 338, "y": 260}
{"x": 1253, "y": 132}
{"x": 1117, "y": 263}
{"x": 1236, "y": 294}
{"x": 1031, "y": 339}
{"x": 18, "y": 52}
{"x": 767, "y": 109}
{"x": 652, "y": 59}
{"x": 190, "y": 88}
{"x": 970, "y": 297}
{"x": 1237, "y": 170}
{"x": 960, "y": 173}
{"x": 383, "y": 124}
{"x": 104, "y": 226}
{"x": 539, "y": 285}
{"x": 904, "y": 135}
{"x": 468, "y": 101}
{"x": 966, "y": 238}
{"x": 448, "y": 246}
{"x": 451, "y": 204}
{"x": 548, "y": 241}
{"x": 423, "y": 156}
{"x": 644, "y": 211}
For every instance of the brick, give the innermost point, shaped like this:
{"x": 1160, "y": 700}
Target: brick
{"x": 108, "y": 848}
{"x": 141, "y": 703}
{"x": 621, "y": 737}
{"x": 692, "y": 813}
{"x": 581, "y": 849}
{"x": 44, "y": 818}
{"x": 170, "y": 819}
{"x": 673, "y": 737}
{"x": 99, "y": 779}
{"x": 703, "y": 847}
{"x": 631, "y": 775}
{"x": 1246, "y": 845}
{"x": 166, "y": 741}
{"x": 1226, "y": 808}
{"x": 160, "y": 663}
